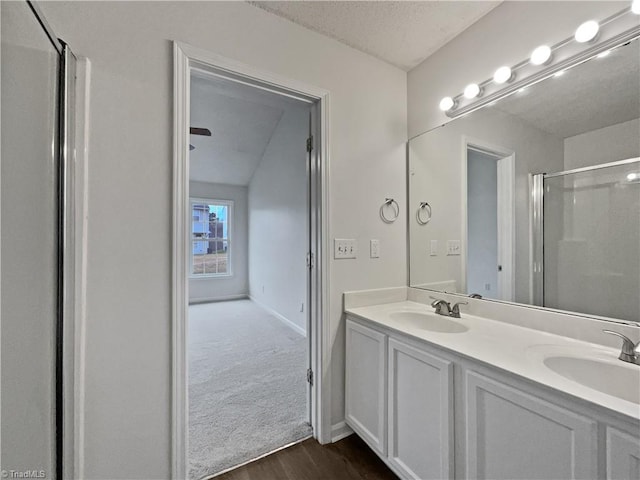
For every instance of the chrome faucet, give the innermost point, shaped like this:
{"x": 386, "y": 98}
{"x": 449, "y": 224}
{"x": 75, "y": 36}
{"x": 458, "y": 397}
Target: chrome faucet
{"x": 455, "y": 310}
{"x": 444, "y": 308}
{"x": 630, "y": 352}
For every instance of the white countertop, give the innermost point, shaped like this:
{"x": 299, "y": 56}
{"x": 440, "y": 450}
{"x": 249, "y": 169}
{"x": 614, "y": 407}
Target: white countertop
{"x": 515, "y": 349}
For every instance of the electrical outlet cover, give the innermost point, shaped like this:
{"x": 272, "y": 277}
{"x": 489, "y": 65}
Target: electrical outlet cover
{"x": 374, "y": 248}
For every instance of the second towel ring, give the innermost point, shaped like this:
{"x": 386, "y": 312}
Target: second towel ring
{"x": 423, "y": 214}
{"x": 389, "y": 202}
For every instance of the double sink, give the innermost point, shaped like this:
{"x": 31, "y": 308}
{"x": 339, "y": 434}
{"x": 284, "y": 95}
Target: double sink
{"x": 594, "y": 367}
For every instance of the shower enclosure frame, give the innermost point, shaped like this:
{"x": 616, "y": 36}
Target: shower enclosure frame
{"x": 537, "y": 222}
{"x": 65, "y": 209}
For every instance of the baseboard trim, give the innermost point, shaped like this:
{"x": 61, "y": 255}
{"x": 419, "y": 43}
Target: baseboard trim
{"x": 195, "y": 301}
{"x": 339, "y": 431}
{"x": 280, "y": 317}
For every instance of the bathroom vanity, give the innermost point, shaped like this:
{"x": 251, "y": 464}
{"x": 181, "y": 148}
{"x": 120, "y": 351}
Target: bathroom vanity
{"x": 530, "y": 194}
{"x": 438, "y": 397}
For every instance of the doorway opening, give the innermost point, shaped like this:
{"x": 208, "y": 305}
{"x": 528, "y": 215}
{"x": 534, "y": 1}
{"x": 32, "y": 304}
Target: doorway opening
{"x": 489, "y": 222}
{"x": 250, "y": 203}
{"x": 248, "y": 348}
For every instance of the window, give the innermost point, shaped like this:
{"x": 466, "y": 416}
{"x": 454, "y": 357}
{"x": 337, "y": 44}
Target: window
{"x": 210, "y": 244}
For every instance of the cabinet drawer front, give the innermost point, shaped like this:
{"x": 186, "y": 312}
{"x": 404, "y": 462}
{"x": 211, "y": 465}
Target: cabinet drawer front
{"x": 514, "y": 435}
{"x": 366, "y": 379}
{"x": 623, "y": 455}
{"x": 420, "y": 413}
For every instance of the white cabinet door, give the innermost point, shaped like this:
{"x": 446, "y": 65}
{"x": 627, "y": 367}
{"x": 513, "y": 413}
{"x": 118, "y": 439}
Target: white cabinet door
{"x": 623, "y": 455}
{"x": 366, "y": 380}
{"x": 514, "y": 435}
{"x": 420, "y": 413}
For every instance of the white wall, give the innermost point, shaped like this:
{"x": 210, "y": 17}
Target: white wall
{"x": 202, "y": 289}
{"x": 609, "y": 144}
{"x": 278, "y": 226}
{"x": 128, "y": 364}
{"x": 505, "y": 36}
{"x": 437, "y": 159}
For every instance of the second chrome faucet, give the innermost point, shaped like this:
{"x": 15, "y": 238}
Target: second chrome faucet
{"x": 630, "y": 352}
{"x": 444, "y": 308}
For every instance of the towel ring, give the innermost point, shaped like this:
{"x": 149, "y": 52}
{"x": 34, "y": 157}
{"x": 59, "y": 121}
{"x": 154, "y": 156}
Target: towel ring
{"x": 395, "y": 208}
{"x": 423, "y": 214}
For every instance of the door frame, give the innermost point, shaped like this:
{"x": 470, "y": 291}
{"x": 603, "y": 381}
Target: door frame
{"x": 506, "y": 160}
{"x": 186, "y": 59}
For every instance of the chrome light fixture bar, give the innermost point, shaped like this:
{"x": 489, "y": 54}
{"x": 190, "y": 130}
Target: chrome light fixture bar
{"x": 545, "y": 62}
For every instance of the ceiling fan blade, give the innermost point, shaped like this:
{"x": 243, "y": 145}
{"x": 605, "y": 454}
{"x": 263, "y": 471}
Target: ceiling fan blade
{"x": 200, "y": 131}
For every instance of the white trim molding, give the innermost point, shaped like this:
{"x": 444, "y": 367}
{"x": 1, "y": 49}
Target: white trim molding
{"x": 180, "y": 285}
{"x": 81, "y": 170}
{"x": 505, "y": 159}
{"x": 188, "y": 59}
{"x": 339, "y": 431}
{"x": 230, "y": 238}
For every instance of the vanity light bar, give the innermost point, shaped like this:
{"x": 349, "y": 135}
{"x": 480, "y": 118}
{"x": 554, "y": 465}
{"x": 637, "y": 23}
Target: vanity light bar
{"x": 503, "y": 75}
{"x": 591, "y": 39}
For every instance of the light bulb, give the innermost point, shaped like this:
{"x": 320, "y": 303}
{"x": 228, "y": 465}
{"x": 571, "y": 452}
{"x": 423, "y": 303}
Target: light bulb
{"x": 502, "y": 75}
{"x": 633, "y": 176}
{"x": 604, "y": 54}
{"x": 446, "y": 104}
{"x": 472, "y": 90}
{"x": 635, "y": 7}
{"x": 587, "y": 31}
{"x": 540, "y": 55}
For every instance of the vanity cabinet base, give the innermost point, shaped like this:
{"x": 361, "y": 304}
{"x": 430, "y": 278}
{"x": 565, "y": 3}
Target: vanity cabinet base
{"x": 623, "y": 455}
{"x": 431, "y": 413}
{"x": 420, "y": 413}
{"x": 514, "y": 435}
{"x": 366, "y": 380}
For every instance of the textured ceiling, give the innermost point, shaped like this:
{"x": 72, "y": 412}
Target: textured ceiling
{"x": 242, "y": 120}
{"x": 597, "y": 94}
{"x": 400, "y": 33}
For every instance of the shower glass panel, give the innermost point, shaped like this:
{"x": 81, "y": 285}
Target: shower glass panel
{"x": 29, "y": 209}
{"x": 592, "y": 240}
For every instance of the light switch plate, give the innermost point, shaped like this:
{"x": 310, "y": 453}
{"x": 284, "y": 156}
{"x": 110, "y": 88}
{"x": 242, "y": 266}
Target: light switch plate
{"x": 453, "y": 247}
{"x": 344, "y": 248}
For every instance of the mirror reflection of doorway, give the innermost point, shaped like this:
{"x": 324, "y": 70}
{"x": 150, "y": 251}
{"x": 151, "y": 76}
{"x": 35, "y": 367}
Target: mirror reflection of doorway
{"x": 490, "y": 238}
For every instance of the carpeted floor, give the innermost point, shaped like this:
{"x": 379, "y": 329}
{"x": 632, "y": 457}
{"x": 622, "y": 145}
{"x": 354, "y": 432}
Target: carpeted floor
{"x": 247, "y": 385}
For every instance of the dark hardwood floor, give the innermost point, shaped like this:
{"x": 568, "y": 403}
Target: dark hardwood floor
{"x": 348, "y": 459}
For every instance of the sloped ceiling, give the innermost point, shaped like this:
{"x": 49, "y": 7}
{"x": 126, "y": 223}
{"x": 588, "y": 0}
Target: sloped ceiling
{"x": 400, "y": 33}
{"x": 242, "y": 120}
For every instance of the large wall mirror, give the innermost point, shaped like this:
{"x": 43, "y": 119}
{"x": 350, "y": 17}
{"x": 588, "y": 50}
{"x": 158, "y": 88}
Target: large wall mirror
{"x": 535, "y": 199}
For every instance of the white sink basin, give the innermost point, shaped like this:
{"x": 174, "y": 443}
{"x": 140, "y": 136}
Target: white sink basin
{"x": 610, "y": 376}
{"x": 430, "y": 322}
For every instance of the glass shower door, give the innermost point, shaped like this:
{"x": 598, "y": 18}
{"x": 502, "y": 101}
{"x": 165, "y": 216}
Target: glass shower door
{"x": 592, "y": 240}
{"x": 29, "y": 256}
